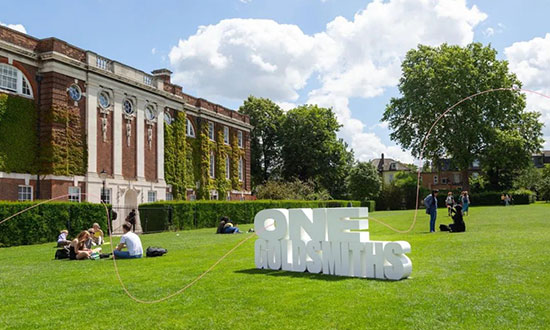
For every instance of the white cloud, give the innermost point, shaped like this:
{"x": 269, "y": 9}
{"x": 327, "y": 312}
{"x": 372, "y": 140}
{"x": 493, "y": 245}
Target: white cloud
{"x": 153, "y": 51}
{"x": 489, "y": 32}
{"x": 245, "y": 1}
{"x": 286, "y": 105}
{"x": 16, "y": 27}
{"x": 530, "y": 60}
{"x": 360, "y": 57}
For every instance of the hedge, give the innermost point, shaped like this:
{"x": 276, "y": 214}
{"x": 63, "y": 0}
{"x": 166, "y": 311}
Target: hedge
{"x": 43, "y": 223}
{"x": 204, "y": 214}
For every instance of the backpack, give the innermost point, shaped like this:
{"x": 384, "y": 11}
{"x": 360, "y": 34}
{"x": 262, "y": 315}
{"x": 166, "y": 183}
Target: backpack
{"x": 62, "y": 253}
{"x": 155, "y": 252}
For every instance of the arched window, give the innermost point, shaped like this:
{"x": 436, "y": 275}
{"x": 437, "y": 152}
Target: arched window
{"x": 13, "y": 80}
{"x": 190, "y": 130}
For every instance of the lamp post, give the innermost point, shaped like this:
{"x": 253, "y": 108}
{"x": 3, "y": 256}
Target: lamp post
{"x": 103, "y": 176}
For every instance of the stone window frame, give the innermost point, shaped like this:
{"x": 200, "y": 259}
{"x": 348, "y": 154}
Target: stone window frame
{"x": 22, "y": 195}
{"x": 226, "y": 135}
{"x": 189, "y": 128}
{"x": 75, "y": 86}
{"x": 212, "y": 167}
{"x": 211, "y": 129}
{"x": 240, "y": 139}
{"x": 151, "y": 196}
{"x": 108, "y": 97}
{"x": 74, "y": 194}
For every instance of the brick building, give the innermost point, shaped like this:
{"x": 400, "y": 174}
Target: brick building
{"x": 98, "y": 122}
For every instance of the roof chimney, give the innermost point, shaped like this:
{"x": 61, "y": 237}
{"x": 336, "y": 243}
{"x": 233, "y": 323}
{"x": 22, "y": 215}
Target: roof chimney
{"x": 381, "y": 164}
{"x": 162, "y": 74}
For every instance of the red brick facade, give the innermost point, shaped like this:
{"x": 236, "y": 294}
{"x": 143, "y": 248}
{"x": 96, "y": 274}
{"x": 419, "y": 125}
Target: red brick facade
{"x": 76, "y": 66}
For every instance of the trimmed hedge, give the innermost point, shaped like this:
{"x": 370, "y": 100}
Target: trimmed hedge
{"x": 204, "y": 214}
{"x": 43, "y": 223}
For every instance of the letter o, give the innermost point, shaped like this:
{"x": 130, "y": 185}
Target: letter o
{"x": 271, "y": 224}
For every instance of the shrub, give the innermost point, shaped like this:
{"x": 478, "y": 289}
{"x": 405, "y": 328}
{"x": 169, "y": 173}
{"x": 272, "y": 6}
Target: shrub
{"x": 43, "y": 223}
{"x": 203, "y": 214}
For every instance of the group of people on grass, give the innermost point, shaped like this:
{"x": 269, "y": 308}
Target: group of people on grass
{"x": 506, "y": 199}
{"x": 456, "y": 210}
{"x": 87, "y": 244}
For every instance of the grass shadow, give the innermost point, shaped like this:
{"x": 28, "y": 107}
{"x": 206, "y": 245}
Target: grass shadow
{"x": 281, "y": 273}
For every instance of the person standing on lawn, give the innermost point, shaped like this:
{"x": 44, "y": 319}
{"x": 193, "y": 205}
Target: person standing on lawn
{"x": 450, "y": 202}
{"x": 430, "y": 202}
{"x": 131, "y": 241}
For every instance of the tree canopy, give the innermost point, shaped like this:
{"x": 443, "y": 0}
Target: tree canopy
{"x": 434, "y": 79}
{"x": 364, "y": 182}
{"x": 266, "y": 117}
{"x": 311, "y": 149}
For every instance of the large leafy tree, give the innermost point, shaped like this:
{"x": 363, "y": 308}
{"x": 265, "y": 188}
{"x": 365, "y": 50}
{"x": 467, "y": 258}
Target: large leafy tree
{"x": 435, "y": 78}
{"x": 266, "y": 117}
{"x": 364, "y": 181}
{"x": 312, "y": 151}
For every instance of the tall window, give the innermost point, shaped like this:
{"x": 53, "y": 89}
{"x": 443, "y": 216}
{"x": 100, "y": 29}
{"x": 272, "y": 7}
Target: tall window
{"x": 169, "y": 196}
{"x": 190, "y": 130}
{"x": 436, "y": 179}
{"x": 241, "y": 169}
{"x": 226, "y": 135}
{"x": 212, "y": 165}
{"x": 74, "y": 194}
{"x": 13, "y": 80}
{"x": 106, "y": 195}
{"x": 240, "y": 138}
{"x": 25, "y": 193}
{"x": 227, "y": 168}
{"x": 151, "y": 196}
{"x": 211, "y": 130}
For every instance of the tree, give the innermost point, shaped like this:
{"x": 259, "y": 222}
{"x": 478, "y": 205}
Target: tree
{"x": 364, "y": 182}
{"x": 266, "y": 117}
{"x": 312, "y": 151}
{"x": 543, "y": 187}
{"x": 528, "y": 178}
{"x": 300, "y": 190}
{"x": 435, "y": 78}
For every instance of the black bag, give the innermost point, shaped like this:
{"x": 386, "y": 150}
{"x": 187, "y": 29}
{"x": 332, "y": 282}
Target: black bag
{"x": 155, "y": 252}
{"x": 62, "y": 253}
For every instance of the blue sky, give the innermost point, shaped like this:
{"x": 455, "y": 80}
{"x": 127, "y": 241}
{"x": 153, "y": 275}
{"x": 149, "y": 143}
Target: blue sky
{"x": 343, "y": 54}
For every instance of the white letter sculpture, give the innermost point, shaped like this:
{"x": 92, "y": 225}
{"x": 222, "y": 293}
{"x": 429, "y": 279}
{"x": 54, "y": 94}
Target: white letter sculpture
{"x": 330, "y": 241}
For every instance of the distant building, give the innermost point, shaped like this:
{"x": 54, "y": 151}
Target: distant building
{"x": 389, "y": 168}
{"x": 444, "y": 175}
{"x": 541, "y": 159}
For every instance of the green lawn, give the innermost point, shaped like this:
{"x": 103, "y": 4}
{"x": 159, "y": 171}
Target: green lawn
{"x": 496, "y": 275}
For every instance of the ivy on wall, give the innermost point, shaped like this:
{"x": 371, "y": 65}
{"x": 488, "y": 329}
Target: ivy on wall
{"x": 65, "y": 153}
{"x": 236, "y": 155}
{"x": 18, "y": 139}
{"x": 187, "y": 160}
{"x": 223, "y": 150}
{"x": 175, "y": 155}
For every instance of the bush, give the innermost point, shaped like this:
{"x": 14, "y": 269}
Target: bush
{"x": 292, "y": 190}
{"x": 205, "y": 214}
{"x": 43, "y": 223}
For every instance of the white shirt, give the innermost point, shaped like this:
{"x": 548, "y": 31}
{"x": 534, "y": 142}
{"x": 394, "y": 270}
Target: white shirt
{"x": 133, "y": 243}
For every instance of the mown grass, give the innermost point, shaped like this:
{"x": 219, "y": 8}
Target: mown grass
{"x": 493, "y": 276}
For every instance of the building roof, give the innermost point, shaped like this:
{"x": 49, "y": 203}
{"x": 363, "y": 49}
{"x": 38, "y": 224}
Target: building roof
{"x": 387, "y": 165}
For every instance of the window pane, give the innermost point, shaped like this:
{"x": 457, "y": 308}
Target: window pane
{"x": 8, "y": 78}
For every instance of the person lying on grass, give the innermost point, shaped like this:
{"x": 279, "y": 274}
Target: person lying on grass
{"x": 78, "y": 249}
{"x": 131, "y": 241}
{"x": 226, "y": 227}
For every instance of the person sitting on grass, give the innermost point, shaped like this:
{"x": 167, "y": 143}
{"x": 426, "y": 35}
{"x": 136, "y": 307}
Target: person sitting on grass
{"x": 97, "y": 236}
{"x": 62, "y": 238}
{"x": 131, "y": 241}
{"x": 78, "y": 249}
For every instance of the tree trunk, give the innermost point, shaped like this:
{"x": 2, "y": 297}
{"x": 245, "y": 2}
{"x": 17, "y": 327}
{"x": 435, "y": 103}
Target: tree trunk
{"x": 465, "y": 180}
